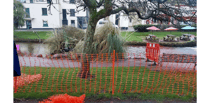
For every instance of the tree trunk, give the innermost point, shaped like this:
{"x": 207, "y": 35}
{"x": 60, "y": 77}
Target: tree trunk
{"x": 87, "y": 50}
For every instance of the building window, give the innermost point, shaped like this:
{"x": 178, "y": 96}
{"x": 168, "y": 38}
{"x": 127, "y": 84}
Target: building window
{"x": 22, "y": 1}
{"x": 72, "y": 12}
{"x": 41, "y": 0}
{"x": 45, "y": 24}
{"x": 31, "y": 1}
{"x": 117, "y": 19}
{"x": 44, "y": 11}
{"x": 73, "y": 23}
{"x": 48, "y": 1}
{"x": 27, "y": 13}
{"x": 82, "y": 22}
{"x": 64, "y": 14}
{"x": 130, "y": 20}
{"x": 72, "y": 1}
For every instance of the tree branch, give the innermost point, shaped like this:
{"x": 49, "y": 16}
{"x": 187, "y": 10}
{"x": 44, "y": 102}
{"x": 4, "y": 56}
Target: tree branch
{"x": 127, "y": 11}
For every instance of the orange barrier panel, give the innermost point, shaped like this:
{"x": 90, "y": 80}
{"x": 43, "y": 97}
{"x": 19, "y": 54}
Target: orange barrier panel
{"x": 153, "y": 52}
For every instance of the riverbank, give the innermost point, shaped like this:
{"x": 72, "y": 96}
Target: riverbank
{"x": 140, "y": 36}
{"x": 132, "y": 38}
{"x": 166, "y": 44}
{"x": 128, "y": 43}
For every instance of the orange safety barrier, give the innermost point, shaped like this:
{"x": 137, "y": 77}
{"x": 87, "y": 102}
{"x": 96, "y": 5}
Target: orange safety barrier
{"x": 109, "y": 73}
{"x": 153, "y": 52}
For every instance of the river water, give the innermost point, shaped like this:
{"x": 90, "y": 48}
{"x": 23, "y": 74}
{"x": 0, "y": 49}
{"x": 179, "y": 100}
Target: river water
{"x": 40, "y": 48}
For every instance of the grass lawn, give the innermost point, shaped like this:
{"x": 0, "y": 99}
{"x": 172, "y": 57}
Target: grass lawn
{"x": 129, "y": 36}
{"x": 139, "y": 36}
{"x": 31, "y": 35}
{"x": 138, "y": 82}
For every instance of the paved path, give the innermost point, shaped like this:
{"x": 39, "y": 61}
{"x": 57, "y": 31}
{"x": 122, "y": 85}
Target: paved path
{"x": 44, "y": 62}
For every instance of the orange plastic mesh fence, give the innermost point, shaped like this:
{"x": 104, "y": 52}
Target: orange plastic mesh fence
{"x": 64, "y": 98}
{"x": 107, "y": 73}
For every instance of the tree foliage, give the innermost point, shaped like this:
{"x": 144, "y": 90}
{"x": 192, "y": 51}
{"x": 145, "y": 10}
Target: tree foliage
{"x": 162, "y": 10}
{"x": 18, "y": 14}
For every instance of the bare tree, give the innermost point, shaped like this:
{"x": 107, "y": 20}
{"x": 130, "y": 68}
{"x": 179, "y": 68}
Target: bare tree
{"x": 161, "y": 10}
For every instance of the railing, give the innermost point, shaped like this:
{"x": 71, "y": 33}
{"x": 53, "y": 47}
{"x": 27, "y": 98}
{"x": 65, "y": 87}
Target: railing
{"x": 110, "y": 73}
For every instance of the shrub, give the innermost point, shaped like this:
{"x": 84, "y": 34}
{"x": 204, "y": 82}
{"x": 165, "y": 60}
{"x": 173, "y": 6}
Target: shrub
{"x": 30, "y": 48}
{"x": 106, "y": 39}
{"x": 103, "y": 38}
{"x": 59, "y": 39}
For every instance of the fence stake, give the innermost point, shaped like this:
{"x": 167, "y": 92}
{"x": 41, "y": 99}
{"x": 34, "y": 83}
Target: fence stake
{"x": 113, "y": 66}
{"x": 15, "y": 84}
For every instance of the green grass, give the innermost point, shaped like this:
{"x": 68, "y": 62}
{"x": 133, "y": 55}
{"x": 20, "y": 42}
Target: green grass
{"x": 129, "y": 36}
{"x": 31, "y": 35}
{"x": 64, "y": 80}
{"x": 139, "y": 36}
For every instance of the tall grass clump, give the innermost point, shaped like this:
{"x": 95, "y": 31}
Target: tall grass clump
{"x": 30, "y": 48}
{"x": 55, "y": 41}
{"x": 63, "y": 38}
{"x": 106, "y": 39}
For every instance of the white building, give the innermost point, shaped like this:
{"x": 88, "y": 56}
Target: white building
{"x": 62, "y": 13}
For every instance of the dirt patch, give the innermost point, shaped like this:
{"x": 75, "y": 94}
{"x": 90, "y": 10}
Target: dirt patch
{"x": 136, "y": 101}
{"x": 27, "y": 101}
